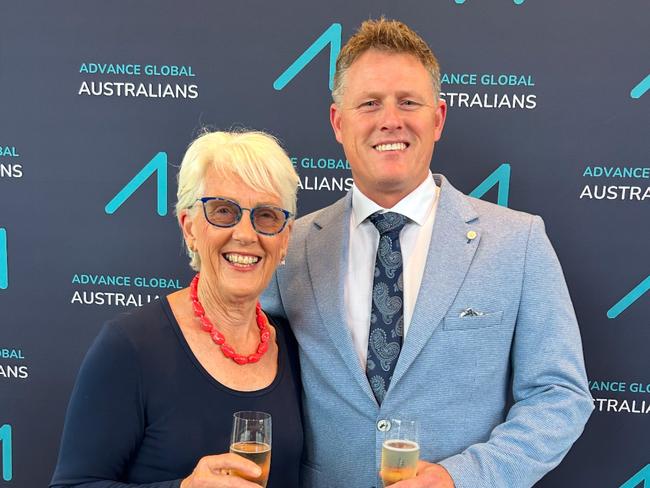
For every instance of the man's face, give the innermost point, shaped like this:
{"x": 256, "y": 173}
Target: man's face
{"x": 388, "y": 122}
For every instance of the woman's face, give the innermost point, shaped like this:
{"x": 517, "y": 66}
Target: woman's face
{"x": 236, "y": 262}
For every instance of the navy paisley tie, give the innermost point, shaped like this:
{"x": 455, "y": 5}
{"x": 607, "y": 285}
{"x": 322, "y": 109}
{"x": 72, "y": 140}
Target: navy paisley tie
{"x": 387, "y": 314}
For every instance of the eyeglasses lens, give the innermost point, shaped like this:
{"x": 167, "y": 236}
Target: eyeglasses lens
{"x": 222, "y": 213}
{"x": 268, "y": 220}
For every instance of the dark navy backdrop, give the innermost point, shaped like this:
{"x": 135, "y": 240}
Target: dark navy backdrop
{"x": 548, "y": 114}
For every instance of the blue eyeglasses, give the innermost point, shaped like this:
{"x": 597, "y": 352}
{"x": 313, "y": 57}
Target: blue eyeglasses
{"x": 266, "y": 219}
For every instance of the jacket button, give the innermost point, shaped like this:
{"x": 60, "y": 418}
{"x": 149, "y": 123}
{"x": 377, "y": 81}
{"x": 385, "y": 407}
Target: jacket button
{"x": 383, "y": 425}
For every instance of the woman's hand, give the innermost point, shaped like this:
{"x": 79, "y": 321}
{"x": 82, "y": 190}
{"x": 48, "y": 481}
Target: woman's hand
{"x": 219, "y": 472}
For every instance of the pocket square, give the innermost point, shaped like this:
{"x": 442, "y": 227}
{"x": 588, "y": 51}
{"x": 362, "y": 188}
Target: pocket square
{"x": 470, "y": 312}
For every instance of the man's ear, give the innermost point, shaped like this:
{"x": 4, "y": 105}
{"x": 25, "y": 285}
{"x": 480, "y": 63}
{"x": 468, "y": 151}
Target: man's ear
{"x": 335, "y": 120}
{"x": 440, "y": 117}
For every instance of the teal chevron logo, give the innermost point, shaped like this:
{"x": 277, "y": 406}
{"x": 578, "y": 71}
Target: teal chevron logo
{"x": 639, "y": 479}
{"x": 629, "y": 299}
{"x": 501, "y": 177}
{"x": 331, "y": 37}
{"x": 4, "y": 260}
{"x": 158, "y": 165}
{"x": 7, "y": 461}
{"x": 516, "y": 2}
{"x": 641, "y": 88}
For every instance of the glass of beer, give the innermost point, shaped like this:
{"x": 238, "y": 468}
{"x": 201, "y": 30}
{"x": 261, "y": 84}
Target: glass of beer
{"x": 400, "y": 452}
{"x": 251, "y": 438}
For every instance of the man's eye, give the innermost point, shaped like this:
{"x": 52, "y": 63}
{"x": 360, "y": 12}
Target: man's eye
{"x": 410, "y": 103}
{"x": 368, "y": 104}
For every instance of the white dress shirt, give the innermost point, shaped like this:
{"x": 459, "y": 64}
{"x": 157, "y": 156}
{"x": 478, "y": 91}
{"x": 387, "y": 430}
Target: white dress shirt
{"x": 420, "y": 207}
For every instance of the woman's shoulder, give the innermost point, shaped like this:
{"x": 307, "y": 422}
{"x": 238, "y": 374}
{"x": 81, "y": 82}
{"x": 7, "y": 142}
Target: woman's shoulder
{"x": 138, "y": 329}
{"x": 142, "y": 321}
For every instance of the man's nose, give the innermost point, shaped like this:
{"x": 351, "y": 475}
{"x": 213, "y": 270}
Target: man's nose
{"x": 391, "y": 117}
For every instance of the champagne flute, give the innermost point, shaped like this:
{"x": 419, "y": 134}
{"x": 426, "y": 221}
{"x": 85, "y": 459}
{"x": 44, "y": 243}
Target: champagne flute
{"x": 400, "y": 452}
{"x": 251, "y": 438}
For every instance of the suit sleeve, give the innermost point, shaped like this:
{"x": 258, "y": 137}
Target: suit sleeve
{"x": 104, "y": 423}
{"x": 549, "y": 384}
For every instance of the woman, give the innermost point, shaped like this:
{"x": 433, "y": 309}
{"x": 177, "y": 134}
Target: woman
{"x": 155, "y": 396}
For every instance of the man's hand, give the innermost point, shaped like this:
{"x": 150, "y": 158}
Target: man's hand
{"x": 429, "y": 476}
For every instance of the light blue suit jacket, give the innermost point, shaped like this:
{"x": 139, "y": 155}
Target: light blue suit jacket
{"x": 455, "y": 374}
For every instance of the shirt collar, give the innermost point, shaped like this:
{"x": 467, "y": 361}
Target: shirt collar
{"x": 416, "y": 205}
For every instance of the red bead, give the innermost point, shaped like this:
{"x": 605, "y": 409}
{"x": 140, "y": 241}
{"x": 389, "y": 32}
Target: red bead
{"x": 198, "y": 309}
{"x": 194, "y": 286}
{"x": 218, "y": 338}
{"x": 253, "y": 358}
{"x": 227, "y": 350}
{"x": 205, "y": 324}
{"x": 265, "y": 335}
{"x": 239, "y": 359}
{"x": 262, "y": 348}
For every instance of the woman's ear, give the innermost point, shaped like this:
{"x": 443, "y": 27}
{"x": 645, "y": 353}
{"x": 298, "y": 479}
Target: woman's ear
{"x": 186, "y": 224}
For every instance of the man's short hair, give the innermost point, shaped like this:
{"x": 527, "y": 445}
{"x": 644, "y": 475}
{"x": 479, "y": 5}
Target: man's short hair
{"x": 386, "y": 35}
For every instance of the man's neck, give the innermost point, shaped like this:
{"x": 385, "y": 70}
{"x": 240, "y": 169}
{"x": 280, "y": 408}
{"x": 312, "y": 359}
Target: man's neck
{"x": 387, "y": 198}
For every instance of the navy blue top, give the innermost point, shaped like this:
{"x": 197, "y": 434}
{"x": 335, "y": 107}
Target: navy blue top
{"x": 144, "y": 411}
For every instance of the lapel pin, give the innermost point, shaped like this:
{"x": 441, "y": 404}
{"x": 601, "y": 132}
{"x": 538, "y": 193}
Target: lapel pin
{"x": 471, "y": 235}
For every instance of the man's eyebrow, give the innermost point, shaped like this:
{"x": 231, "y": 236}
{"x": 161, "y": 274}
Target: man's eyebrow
{"x": 368, "y": 94}
{"x": 409, "y": 94}
{"x": 398, "y": 94}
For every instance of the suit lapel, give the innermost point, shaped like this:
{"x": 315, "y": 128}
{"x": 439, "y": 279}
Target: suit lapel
{"x": 449, "y": 258}
{"x": 327, "y": 261}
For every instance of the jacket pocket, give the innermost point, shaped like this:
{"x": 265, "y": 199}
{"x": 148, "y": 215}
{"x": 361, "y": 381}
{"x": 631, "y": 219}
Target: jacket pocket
{"x": 472, "y": 322}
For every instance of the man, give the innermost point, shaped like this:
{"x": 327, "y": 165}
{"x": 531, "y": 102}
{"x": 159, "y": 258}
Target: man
{"x": 438, "y": 311}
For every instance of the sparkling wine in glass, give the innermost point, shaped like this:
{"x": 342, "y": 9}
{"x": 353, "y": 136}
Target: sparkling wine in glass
{"x": 400, "y": 452}
{"x": 251, "y": 438}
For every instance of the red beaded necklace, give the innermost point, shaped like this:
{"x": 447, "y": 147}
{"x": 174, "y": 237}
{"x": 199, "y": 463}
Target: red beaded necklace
{"x": 220, "y": 340}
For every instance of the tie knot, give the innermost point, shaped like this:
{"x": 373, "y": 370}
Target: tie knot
{"x": 388, "y": 222}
